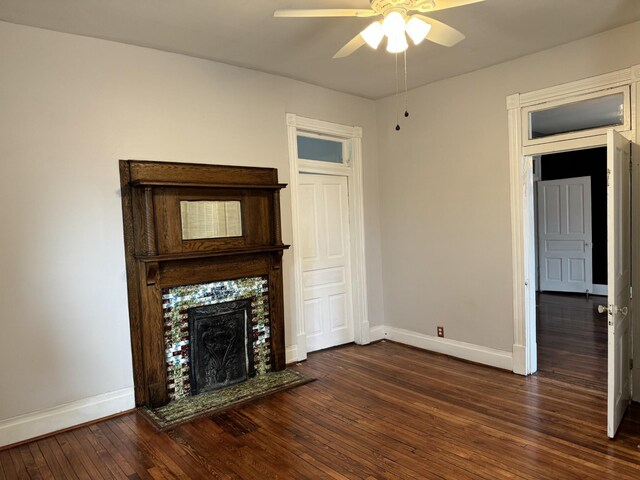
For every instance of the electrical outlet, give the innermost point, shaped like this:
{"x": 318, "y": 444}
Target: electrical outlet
{"x": 441, "y": 331}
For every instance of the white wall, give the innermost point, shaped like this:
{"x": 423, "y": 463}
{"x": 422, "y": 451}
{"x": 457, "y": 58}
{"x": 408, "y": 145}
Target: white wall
{"x": 70, "y": 107}
{"x": 444, "y": 190}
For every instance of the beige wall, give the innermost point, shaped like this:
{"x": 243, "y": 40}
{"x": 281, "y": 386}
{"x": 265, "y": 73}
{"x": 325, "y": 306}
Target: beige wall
{"x": 70, "y": 108}
{"x": 444, "y": 190}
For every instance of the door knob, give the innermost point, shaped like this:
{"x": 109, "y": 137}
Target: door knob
{"x": 612, "y": 309}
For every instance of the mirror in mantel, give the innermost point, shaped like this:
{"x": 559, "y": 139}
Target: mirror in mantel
{"x": 210, "y": 219}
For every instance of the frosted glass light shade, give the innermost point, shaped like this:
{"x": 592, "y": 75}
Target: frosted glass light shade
{"x": 393, "y": 25}
{"x": 373, "y": 34}
{"x": 417, "y": 29}
{"x": 397, "y": 43}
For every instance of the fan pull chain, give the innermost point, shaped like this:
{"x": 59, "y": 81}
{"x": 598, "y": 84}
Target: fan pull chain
{"x": 397, "y": 98}
{"x": 406, "y": 111}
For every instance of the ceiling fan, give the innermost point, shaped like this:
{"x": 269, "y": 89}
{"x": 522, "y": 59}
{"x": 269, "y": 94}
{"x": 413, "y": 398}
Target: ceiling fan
{"x": 396, "y": 24}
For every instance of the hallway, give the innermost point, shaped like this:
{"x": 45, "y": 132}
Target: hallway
{"x": 572, "y": 339}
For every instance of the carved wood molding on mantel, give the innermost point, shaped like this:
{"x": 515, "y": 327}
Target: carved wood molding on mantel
{"x": 158, "y": 257}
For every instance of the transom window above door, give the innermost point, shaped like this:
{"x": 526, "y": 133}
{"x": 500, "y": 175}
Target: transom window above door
{"x": 577, "y": 116}
{"x": 323, "y": 149}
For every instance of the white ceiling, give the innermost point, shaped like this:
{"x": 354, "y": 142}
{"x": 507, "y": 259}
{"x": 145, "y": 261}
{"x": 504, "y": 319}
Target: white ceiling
{"x": 244, "y": 33}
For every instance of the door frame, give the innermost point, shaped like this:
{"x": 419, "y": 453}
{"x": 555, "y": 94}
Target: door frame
{"x": 523, "y": 235}
{"x": 352, "y": 169}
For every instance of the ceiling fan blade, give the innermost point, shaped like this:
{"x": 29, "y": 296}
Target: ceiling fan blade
{"x": 441, "y": 33}
{"x": 354, "y": 44}
{"x": 443, "y": 5}
{"x": 336, "y": 12}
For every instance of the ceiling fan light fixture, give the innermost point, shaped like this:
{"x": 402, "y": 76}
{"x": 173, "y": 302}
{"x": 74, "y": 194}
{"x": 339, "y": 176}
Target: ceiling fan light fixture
{"x": 397, "y": 43}
{"x": 373, "y": 34}
{"x": 417, "y": 29}
{"x": 393, "y": 25}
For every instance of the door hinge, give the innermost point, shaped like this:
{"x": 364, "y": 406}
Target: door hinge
{"x": 631, "y": 364}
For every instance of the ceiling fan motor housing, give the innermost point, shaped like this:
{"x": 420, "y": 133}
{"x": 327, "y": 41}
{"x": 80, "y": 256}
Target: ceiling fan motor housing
{"x": 383, "y": 7}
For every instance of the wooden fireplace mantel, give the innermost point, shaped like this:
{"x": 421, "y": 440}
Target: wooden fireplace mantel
{"x": 158, "y": 257}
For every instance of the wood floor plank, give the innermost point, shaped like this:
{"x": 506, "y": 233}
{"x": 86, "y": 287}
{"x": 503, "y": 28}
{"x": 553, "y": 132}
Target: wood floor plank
{"x": 41, "y": 463}
{"x": 419, "y": 436}
{"x": 70, "y": 445}
{"x": 33, "y": 472}
{"x": 59, "y": 468}
{"x": 74, "y": 460}
{"x": 6, "y": 462}
{"x": 109, "y": 464}
{"x": 241, "y": 436}
{"x": 156, "y": 447}
{"x": 190, "y": 452}
{"x": 243, "y": 461}
{"x": 274, "y": 421}
{"x": 18, "y": 463}
{"x": 492, "y": 419}
{"x": 114, "y": 452}
{"x": 82, "y": 439}
{"x": 98, "y": 456}
{"x": 129, "y": 447}
{"x": 329, "y": 455}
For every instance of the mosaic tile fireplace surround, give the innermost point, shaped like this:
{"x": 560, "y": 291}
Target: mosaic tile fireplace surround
{"x": 180, "y": 303}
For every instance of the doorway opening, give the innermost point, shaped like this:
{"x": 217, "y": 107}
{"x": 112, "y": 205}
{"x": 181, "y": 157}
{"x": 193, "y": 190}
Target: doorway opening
{"x": 617, "y": 308}
{"x": 543, "y": 122}
{"x": 327, "y": 213}
{"x": 570, "y": 198}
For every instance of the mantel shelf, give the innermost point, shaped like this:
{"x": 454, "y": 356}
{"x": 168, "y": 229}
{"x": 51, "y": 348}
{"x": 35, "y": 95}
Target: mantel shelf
{"x": 217, "y": 253}
{"x": 263, "y": 186}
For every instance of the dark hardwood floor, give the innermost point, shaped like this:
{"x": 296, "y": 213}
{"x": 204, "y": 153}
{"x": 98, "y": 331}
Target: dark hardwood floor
{"x": 380, "y": 411}
{"x": 572, "y": 339}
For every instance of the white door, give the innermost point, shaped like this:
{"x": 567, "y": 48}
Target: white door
{"x": 564, "y": 235}
{"x": 326, "y": 272}
{"x": 619, "y": 278}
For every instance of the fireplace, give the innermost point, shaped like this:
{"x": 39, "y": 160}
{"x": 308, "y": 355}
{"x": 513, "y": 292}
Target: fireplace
{"x": 220, "y": 345}
{"x": 187, "y": 307}
{"x": 204, "y": 276}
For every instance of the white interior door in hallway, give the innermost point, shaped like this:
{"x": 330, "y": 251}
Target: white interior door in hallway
{"x": 326, "y": 266}
{"x": 564, "y": 235}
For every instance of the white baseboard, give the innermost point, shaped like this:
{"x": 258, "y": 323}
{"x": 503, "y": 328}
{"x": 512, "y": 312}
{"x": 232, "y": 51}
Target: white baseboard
{"x": 291, "y": 354}
{"x": 466, "y": 351}
{"x": 378, "y": 333}
{"x": 600, "y": 289}
{"x": 31, "y": 425}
